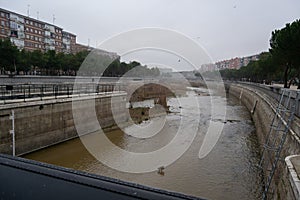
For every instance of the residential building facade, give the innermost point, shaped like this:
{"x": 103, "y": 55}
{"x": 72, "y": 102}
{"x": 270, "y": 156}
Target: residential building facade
{"x": 32, "y": 34}
{"x": 233, "y": 63}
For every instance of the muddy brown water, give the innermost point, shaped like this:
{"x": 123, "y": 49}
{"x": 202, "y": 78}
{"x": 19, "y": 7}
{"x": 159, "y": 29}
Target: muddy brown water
{"x": 228, "y": 172}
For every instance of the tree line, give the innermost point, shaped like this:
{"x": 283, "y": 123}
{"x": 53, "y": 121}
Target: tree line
{"x": 281, "y": 63}
{"x": 15, "y": 61}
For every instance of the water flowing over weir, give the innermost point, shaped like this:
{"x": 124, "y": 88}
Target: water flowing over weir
{"x": 228, "y": 172}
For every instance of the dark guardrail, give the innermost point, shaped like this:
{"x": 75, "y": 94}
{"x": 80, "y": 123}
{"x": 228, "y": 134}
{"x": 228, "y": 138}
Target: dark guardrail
{"x": 27, "y": 91}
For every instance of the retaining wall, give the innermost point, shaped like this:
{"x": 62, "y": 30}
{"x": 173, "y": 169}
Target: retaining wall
{"x": 44, "y": 123}
{"x": 262, "y": 115}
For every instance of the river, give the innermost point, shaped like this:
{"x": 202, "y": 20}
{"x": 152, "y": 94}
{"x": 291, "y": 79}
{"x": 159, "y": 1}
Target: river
{"x": 227, "y": 172}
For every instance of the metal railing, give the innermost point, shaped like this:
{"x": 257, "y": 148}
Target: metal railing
{"x": 25, "y": 92}
{"x": 275, "y": 93}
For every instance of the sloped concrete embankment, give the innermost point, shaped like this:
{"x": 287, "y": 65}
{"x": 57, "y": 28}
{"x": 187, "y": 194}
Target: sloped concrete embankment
{"x": 262, "y": 108}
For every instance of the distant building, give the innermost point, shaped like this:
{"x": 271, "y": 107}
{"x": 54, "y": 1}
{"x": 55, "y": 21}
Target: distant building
{"x": 32, "y": 34}
{"x": 208, "y": 67}
{"x": 164, "y": 71}
{"x": 245, "y": 60}
{"x": 235, "y": 63}
{"x": 81, "y": 47}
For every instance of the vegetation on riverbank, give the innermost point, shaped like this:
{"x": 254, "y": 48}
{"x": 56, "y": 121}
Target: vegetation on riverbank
{"x": 14, "y": 61}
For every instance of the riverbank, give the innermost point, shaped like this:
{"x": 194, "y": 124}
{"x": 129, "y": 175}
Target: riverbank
{"x": 262, "y": 108}
{"x": 44, "y": 123}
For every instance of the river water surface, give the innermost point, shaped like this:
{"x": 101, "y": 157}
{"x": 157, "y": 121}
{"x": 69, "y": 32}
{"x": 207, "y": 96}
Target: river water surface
{"x": 228, "y": 172}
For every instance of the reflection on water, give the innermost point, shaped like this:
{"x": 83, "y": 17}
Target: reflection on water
{"x": 226, "y": 173}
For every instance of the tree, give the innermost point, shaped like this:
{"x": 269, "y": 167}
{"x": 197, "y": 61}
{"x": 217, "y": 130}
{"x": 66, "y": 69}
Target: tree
{"x": 285, "y": 45}
{"x": 37, "y": 59}
{"x": 24, "y": 61}
{"x": 51, "y": 63}
{"x": 8, "y": 55}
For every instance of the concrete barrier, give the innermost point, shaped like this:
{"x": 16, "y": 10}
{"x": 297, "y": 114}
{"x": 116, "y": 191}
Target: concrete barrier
{"x": 262, "y": 107}
{"x": 44, "y": 123}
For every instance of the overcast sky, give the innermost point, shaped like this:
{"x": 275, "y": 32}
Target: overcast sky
{"x": 225, "y": 28}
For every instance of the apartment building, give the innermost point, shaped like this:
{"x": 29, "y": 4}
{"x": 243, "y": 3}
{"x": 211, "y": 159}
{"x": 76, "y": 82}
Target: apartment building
{"x": 68, "y": 42}
{"x": 80, "y": 47}
{"x": 4, "y": 24}
{"x": 32, "y": 34}
{"x": 233, "y": 63}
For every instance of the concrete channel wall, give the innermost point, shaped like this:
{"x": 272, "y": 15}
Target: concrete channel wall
{"x": 40, "y": 124}
{"x": 262, "y": 105}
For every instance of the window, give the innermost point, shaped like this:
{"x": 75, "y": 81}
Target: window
{"x": 13, "y": 25}
{"x": 27, "y": 29}
{"x": 30, "y": 22}
{"x": 31, "y": 30}
{"x": 27, "y": 22}
{"x": 2, "y": 31}
{"x": 2, "y": 14}
{"x": 14, "y": 33}
{"x": 2, "y": 23}
{"x": 35, "y": 31}
{"x": 27, "y": 36}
